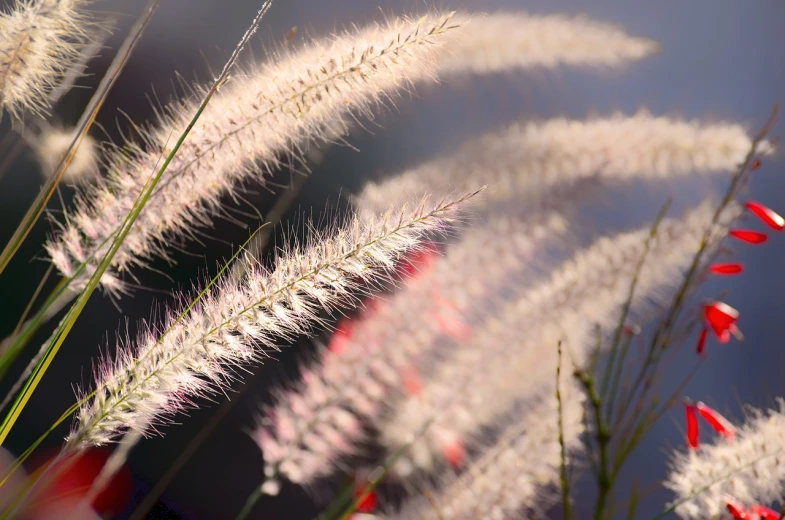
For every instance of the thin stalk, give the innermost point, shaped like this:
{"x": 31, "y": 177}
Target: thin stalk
{"x": 12, "y": 346}
{"x": 659, "y": 340}
{"x": 250, "y": 503}
{"x": 563, "y": 477}
{"x": 613, "y": 374}
{"x": 603, "y": 438}
{"x": 35, "y": 295}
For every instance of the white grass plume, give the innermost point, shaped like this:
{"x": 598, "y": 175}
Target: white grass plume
{"x": 516, "y": 474}
{"x": 505, "y": 41}
{"x": 267, "y": 111}
{"x": 750, "y": 468}
{"x": 39, "y": 39}
{"x": 52, "y": 146}
{"x": 321, "y": 419}
{"x": 488, "y": 373}
{"x": 527, "y": 159}
{"x": 234, "y": 321}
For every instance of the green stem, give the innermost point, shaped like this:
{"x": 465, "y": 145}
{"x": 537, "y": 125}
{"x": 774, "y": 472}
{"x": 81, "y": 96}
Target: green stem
{"x": 563, "y": 477}
{"x": 253, "y": 498}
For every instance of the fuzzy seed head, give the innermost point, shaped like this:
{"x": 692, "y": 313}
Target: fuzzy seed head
{"x": 589, "y": 290}
{"x": 527, "y": 160}
{"x": 39, "y": 39}
{"x": 514, "y": 474}
{"x": 54, "y": 144}
{"x": 750, "y": 467}
{"x": 366, "y": 364}
{"x": 503, "y": 41}
{"x": 264, "y": 112}
{"x": 234, "y": 322}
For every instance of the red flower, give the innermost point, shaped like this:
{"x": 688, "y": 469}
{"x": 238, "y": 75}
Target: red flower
{"x": 454, "y": 453}
{"x": 415, "y": 263}
{"x": 71, "y": 479}
{"x": 736, "y": 509}
{"x": 720, "y": 424}
{"x": 726, "y": 269}
{"x": 749, "y": 236}
{"x": 366, "y": 500}
{"x": 722, "y": 319}
{"x": 341, "y": 337}
{"x": 764, "y": 513}
{"x": 692, "y": 426}
{"x": 702, "y": 340}
{"x": 770, "y": 217}
{"x": 411, "y": 380}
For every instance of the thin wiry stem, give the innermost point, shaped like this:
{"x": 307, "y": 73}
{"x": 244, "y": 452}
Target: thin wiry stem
{"x": 564, "y": 479}
{"x": 659, "y": 340}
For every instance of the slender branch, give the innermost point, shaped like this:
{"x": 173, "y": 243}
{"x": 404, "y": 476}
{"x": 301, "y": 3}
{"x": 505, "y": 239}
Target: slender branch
{"x": 563, "y": 477}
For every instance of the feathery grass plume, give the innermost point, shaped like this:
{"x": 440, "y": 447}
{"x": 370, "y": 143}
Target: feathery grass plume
{"x": 750, "y": 467}
{"x": 459, "y": 399}
{"x": 199, "y": 354}
{"x": 54, "y": 143}
{"x": 526, "y": 159}
{"x": 39, "y": 39}
{"x": 505, "y": 41}
{"x": 514, "y": 475}
{"x": 264, "y": 112}
{"x": 321, "y": 419}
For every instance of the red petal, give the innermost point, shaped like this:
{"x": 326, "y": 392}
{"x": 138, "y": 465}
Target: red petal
{"x": 692, "y": 426}
{"x": 751, "y": 237}
{"x": 339, "y": 341}
{"x": 729, "y": 269}
{"x": 755, "y": 165}
{"x": 702, "y": 340}
{"x": 770, "y": 217}
{"x": 416, "y": 262}
{"x": 411, "y": 380}
{"x": 365, "y": 502}
{"x": 765, "y": 513}
{"x": 632, "y": 329}
{"x": 722, "y": 319}
{"x": 720, "y": 424}
{"x": 454, "y": 454}
{"x": 71, "y": 480}
{"x": 736, "y": 509}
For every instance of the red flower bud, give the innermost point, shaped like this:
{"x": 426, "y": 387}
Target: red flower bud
{"x": 751, "y": 237}
{"x": 692, "y": 426}
{"x": 702, "y": 340}
{"x": 767, "y": 215}
{"x": 736, "y": 509}
{"x": 722, "y": 319}
{"x": 764, "y": 513}
{"x": 726, "y": 269}
{"x": 720, "y": 424}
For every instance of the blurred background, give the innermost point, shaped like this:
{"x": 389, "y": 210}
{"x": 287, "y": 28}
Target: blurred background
{"x": 720, "y": 60}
